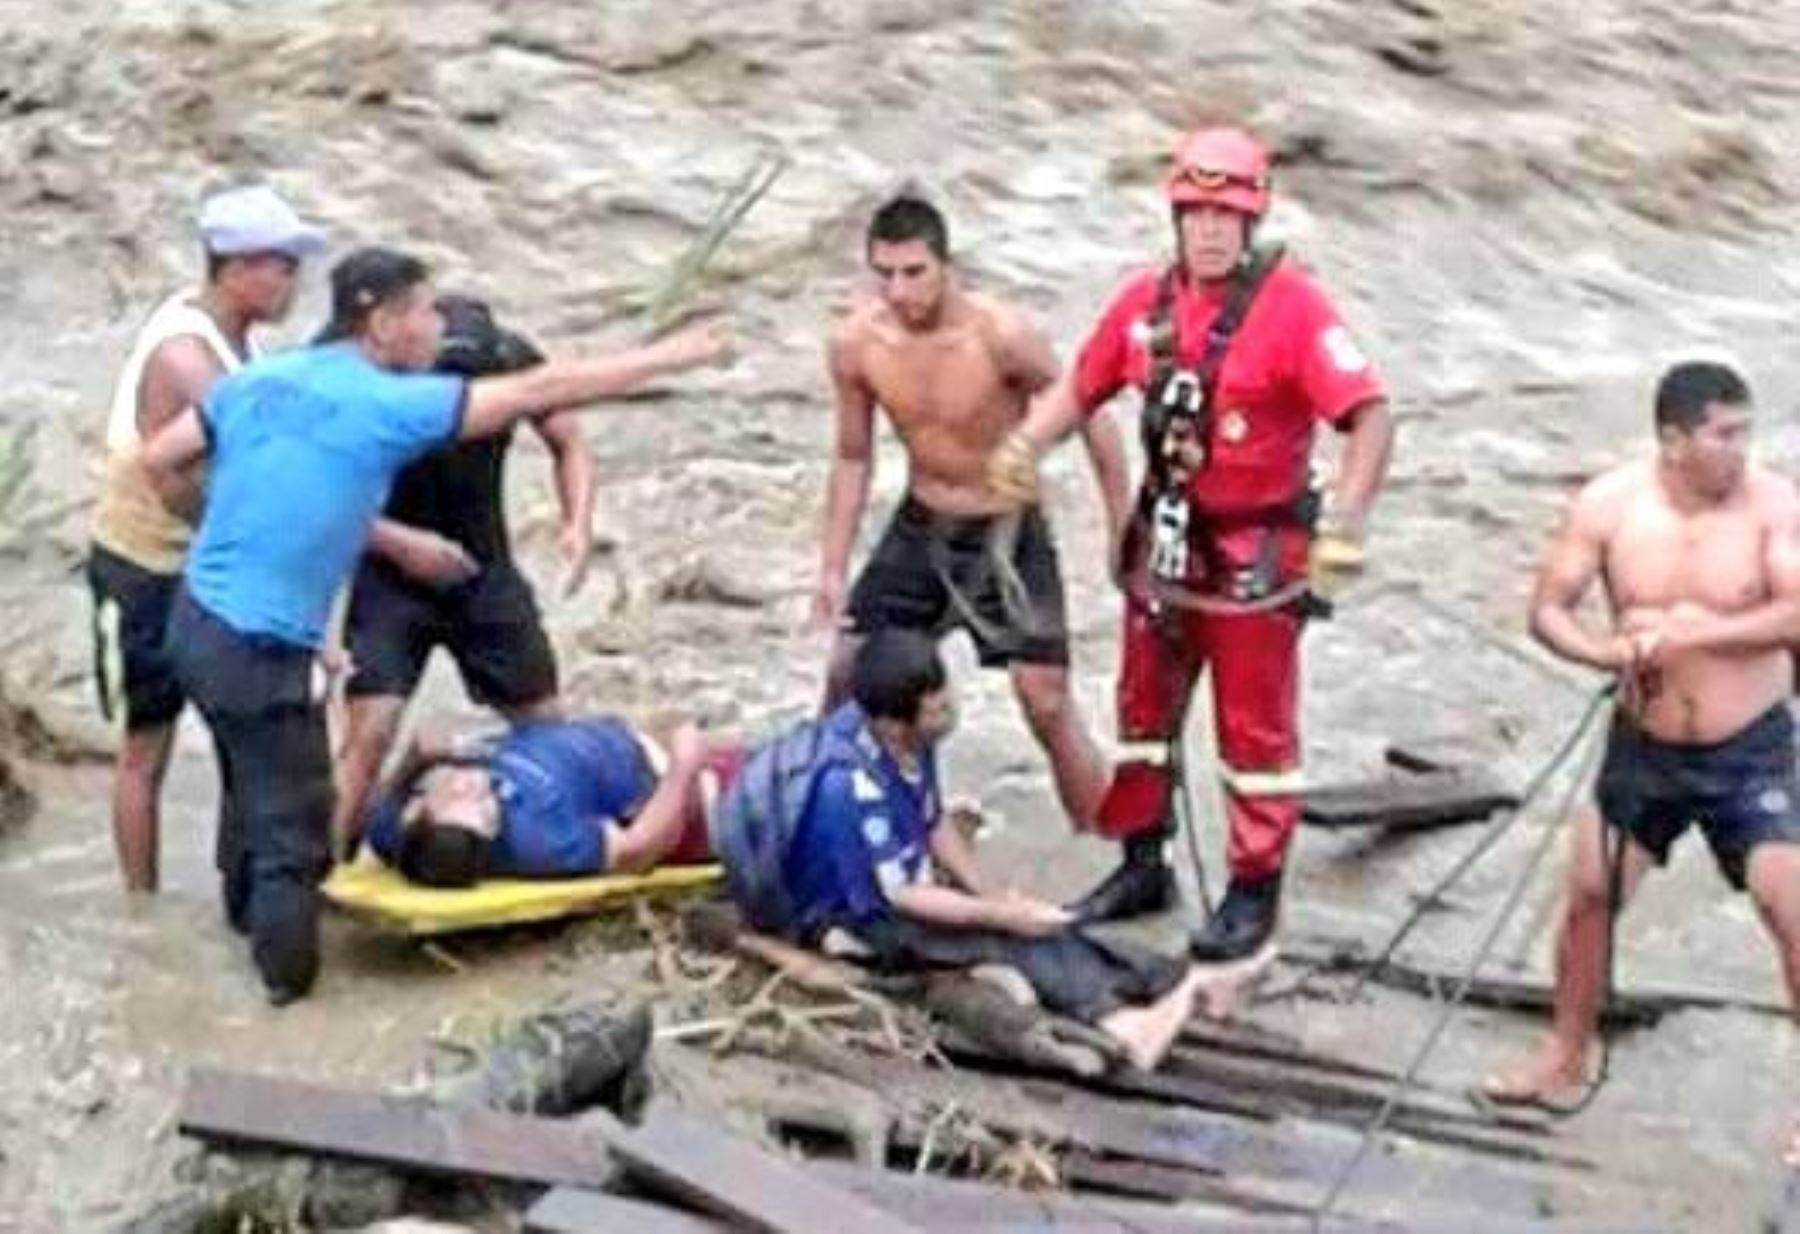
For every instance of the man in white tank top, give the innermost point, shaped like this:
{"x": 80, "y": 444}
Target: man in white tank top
{"x": 254, "y": 243}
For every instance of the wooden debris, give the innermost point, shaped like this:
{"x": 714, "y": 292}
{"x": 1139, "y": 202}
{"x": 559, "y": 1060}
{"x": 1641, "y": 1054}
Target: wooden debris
{"x": 1414, "y": 802}
{"x": 1322, "y": 1093}
{"x": 979, "y": 1208}
{"x": 1243, "y": 1039}
{"x": 223, "y": 1107}
{"x": 1423, "y": 1119}
{"x": 734, "y": 1179}
{"x": 1280, "y": 1158}
{"x": 721, "y": 1174}
{"x": 1641, "y": 1006}
{"x": 1150, "y": 1181}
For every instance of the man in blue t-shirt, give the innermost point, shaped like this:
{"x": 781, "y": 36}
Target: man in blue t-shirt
{"x": 301, "y": 451}
{"x": 548, "y": 799}
{"x": 872, "y": 870}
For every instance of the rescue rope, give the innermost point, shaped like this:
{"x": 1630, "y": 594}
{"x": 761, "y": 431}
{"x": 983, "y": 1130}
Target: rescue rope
{"x": 1015, "y": 596}
{"x": 1181, "y": 802}
{"x": 1515, "y": 897}
{"x": 1494, "y": 835}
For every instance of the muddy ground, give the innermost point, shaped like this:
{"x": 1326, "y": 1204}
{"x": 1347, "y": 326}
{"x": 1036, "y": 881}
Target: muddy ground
{"x": 1527, "y": 209}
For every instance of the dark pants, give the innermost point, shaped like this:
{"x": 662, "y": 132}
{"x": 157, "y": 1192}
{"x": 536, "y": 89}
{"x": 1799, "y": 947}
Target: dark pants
{"x": 1074, "y": 974}
{"x": 268, "y": 726}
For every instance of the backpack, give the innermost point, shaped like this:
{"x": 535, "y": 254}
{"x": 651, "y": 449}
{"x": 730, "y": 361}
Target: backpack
{"x": 759, "y": 815}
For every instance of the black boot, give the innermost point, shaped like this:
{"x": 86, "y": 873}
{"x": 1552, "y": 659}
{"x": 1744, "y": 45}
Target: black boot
{"x": 1142, "y": 884}
{"x": 1244, "y": 923}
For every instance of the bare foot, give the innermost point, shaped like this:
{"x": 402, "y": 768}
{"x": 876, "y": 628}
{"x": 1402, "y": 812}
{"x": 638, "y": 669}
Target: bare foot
{"x": 1148, "y": 1032}
{"x": 1550, "y": 1080}
{"x": 1223, "y": 985}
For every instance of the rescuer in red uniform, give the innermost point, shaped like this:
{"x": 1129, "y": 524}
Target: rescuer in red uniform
{"x": 1239, "y": 355}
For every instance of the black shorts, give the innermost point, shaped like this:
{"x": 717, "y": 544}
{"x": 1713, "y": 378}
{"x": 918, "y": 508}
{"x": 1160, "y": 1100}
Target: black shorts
{"x": 1741, "y": 791}
{"x": 490, "y": 625}
{"x": 1073, "y": 973}
{"x": 132, "y": 669}
{"x": 934, "y": 573}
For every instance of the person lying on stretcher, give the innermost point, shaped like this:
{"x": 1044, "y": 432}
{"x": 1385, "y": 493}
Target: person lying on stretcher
{"x": 833, "y": 836}
{"x": 548, "y": 799}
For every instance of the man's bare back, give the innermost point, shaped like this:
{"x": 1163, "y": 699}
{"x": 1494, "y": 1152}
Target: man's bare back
{"x": 1668, "y": 571}
{"x": 952, "y": 392}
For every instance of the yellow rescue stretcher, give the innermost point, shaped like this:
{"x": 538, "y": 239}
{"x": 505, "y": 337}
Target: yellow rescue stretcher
{"x": 375, "y": 893}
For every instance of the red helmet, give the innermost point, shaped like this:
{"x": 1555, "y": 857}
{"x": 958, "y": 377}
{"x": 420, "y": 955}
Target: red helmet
{"x": 1220, "y": 167}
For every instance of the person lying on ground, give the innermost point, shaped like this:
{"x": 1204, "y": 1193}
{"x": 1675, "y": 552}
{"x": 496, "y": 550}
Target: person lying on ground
{"x": 548, "y": 799}
{"x": 832, "y": 836}
{"x": 1698, "y": 554}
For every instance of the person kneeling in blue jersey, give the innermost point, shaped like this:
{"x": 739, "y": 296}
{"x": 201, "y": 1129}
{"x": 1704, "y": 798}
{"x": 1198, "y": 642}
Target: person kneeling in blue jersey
{"x": 832, "y": 836}
{"x": 548, "y": 799}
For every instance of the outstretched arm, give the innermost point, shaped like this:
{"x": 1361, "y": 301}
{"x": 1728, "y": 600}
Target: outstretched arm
{"x": 496, "y": 403}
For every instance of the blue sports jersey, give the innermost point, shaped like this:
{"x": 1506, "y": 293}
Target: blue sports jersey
{"x": 304, "y": 447}
{"x": 865, "y": 834}
{"x": 562, "y": 786}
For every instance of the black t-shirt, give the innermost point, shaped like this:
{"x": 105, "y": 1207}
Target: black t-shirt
{"x": 458, "y": 492}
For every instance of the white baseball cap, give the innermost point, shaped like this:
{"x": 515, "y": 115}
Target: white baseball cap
{"x": 255, "y": 220}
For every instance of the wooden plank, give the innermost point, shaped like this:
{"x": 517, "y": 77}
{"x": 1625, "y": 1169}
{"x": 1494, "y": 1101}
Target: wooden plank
{"x": 720, "y": 1174}
{"x": 1452, "y": 1128}
{"x": 1228, "y": 1039}
{"x": 1147, "y": 1180}
{"x": 1641, "y": 1006}
{"x": 1292, "y": 1161}
{"x": 978, "y": 1208}
{"x": 1254, "y": 1090}
{"x": 1327, "y": 1094}
{"x": 408, "y": 1132}
{"x": 1408, "y": 803}
{"x": 732, "y": 1178}
{"x": 569, "y": 1211}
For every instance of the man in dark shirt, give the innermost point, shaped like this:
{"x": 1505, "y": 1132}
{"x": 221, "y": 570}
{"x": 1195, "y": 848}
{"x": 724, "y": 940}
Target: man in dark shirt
{"x": 440, "y": 573}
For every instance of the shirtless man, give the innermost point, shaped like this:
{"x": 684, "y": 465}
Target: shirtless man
{"x": 1698, "y": 553}
{"x": 954, "y": 371}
